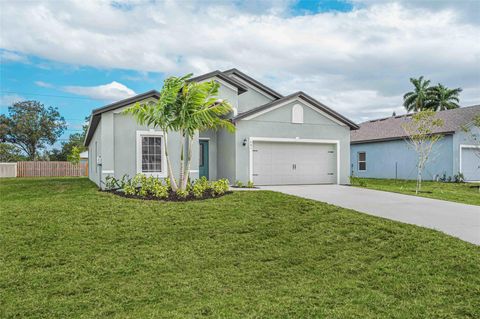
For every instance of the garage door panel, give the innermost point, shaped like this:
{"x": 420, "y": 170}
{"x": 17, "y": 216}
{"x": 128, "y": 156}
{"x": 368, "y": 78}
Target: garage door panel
{"x": 470, "y": 164}
{"x": 276, "y": 163}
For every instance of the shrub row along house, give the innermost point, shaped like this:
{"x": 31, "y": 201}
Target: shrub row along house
{"x": 379, "y": 149}
{"x": 279, "y": 139}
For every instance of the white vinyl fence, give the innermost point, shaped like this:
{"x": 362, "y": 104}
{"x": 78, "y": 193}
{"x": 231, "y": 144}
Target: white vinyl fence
{"x": 8, "y": 170}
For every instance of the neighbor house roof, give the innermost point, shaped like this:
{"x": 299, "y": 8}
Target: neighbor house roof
{"x": 302, "y": 96}
{"x": 253, "y": 82}
{"x": 391, "y": 128}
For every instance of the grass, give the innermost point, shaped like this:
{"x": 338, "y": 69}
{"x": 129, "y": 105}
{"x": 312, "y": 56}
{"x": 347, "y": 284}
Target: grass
{"x": 466, "y": 193}
{"x": 69, "y": 251}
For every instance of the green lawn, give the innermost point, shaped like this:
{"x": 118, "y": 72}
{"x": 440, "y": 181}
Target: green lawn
{"x": 466, "y": 193}
{"x": 69, "y": 251}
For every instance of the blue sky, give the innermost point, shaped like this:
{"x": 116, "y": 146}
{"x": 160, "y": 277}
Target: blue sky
{"x": 355, "y": 56}
{"x": 46, "y": 81}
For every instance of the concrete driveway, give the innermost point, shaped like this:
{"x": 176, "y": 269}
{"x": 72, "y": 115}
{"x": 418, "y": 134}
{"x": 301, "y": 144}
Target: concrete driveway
{"x": 459, "y": 220}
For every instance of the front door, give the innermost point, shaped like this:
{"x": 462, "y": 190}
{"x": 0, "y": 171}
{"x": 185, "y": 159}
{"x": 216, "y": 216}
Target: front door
{"x": 203, "y": 165}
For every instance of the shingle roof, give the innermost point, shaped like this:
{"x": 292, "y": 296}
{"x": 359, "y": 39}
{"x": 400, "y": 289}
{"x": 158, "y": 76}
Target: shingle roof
{"x": 95, "y": 117}
{"x": 241, "y": 88}
{"x": 391, "y": 128}
{"x": 253, "y": 82}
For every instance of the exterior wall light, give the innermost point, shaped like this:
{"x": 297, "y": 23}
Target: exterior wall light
{"x": 244, "y": 142}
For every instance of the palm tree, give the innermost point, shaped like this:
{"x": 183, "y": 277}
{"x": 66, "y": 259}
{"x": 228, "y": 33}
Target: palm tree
{"x": 185, "y": 107}
{"x": 443, "y": 98}
{"x": 417, "y": 99}
{"x": 160, "y": 115}
{"x": 198, "y": 108}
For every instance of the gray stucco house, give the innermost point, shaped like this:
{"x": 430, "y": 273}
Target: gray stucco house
{"x": 379, "y": 150}
{"x": 279, "y": 139}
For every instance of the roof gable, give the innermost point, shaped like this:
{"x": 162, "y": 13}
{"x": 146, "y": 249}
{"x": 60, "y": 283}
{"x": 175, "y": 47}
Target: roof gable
{"x": 300, "y": 96}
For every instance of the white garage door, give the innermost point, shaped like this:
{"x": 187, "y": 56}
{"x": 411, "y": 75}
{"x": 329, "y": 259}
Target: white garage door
{"x": 277, "y": 163}
{"x": 471, "y": 164}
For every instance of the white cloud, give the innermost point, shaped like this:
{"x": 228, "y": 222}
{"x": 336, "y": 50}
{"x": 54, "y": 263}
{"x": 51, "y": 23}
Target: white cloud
{"x": 6, "y": 55}
{"x": 108, "y": 92}
{"x": 43, "y": 84}
{"x": 368, "y": 53}
{"x": 8, "y": 99}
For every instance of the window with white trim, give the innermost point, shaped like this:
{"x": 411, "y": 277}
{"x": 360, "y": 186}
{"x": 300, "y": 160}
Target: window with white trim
{"x": 362, "y": 161}
{"x": 297, "y": 114}
{"x": 150, "y": 153}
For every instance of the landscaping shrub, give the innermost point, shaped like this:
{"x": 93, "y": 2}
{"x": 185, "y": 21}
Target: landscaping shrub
{"x": 220, "y": 187}
{"x": 240, "y": 184}
{"x": 182, "y": 193}
{"x": 111, "y": 183}
{"x": 201, "y": 187}
{"x": 151, "y": 187}
{"x": 159, "y": 190}
{"x": 458, "y": 178}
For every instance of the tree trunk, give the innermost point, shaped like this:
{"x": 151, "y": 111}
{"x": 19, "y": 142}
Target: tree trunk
{"x": 182, "y": 160}
{"x": 173, "y": 182}
{"x": 32, "y": 152}
{"x": 186, "y": 173}
{"x": 419, "y": 181}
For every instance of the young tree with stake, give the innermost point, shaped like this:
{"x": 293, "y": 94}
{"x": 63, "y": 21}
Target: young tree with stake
{"x": 421, "y": 137}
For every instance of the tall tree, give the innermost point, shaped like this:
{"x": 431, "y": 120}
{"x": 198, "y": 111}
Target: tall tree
{"x": 74, "y": 140}
{"x": 10, "y": 153}
{"x": 417, "y": 99}
{"x": 187, "y": 108}
{"x": 443, "y": 98}
{"x": 31, "y": 126}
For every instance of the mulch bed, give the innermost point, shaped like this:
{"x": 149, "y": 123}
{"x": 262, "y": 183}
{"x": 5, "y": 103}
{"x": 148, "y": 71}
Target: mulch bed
{"x": 172, "y": 196}
{"x": 245, "y": 187}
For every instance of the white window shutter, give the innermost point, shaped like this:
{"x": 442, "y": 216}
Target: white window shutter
{"x": 297, "y": 114}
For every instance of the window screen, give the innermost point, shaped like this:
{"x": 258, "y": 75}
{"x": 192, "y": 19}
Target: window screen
{"x": 362, "y": 161}
{"x": 151, "y": 154}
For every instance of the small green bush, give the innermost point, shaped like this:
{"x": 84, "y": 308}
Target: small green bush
{"x": 144, "y": 186}
{"x": 168, "y": 183}
{"x": 129, "y": 190}
{"x": 110, "y": 183}
{"x": 181, "y": 193}
{"x": 239, "y": 184}
{"x": 250, "y": 184}
{"x": 159, "y": 190}
{"x": 459, "y": 178}
{"x": 220, "y": 187}
{"x": 201, "y": 187}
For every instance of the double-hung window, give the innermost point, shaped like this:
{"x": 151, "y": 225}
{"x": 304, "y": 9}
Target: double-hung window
{"x": 362, "y": 161}
{"x": 150, "y": 153}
